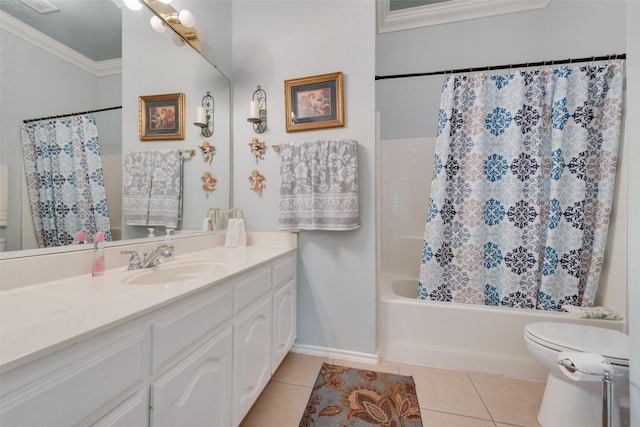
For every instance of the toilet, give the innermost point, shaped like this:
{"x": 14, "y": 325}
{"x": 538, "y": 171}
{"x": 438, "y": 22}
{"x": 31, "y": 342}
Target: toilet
{"x": 568, "y": 403}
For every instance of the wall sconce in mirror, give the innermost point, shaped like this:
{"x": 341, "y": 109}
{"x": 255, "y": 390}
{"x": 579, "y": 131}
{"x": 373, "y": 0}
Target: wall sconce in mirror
{"x": 204, "y": 115}
{"x": 258, "y": 110}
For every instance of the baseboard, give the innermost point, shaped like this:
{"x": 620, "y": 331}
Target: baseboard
{"x": 335, "y": 353}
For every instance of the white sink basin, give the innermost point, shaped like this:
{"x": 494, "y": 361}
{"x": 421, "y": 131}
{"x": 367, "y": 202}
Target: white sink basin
{"x": 174, "y": 272}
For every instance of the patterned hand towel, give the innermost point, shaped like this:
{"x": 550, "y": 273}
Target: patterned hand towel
{"x": 151, "y": 188}
{"x": 136, "y": 187}
{"x": 319, "y": 186}
{"x": 166, "y": 186}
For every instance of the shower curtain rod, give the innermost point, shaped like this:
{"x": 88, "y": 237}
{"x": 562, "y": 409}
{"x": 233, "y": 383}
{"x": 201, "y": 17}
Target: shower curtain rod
{"x": 508, "y": 66}
{"x": 72, "y": 114}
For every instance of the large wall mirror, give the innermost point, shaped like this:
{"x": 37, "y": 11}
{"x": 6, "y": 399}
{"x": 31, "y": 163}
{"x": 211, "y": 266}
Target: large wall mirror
{"x": 40, "y": 81}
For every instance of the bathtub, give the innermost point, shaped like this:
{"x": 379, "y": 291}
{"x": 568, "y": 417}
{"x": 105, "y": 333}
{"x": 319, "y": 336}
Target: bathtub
{"x": 460, "y": 336}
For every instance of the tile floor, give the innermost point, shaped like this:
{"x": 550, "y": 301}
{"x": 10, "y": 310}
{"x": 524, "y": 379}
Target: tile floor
{"x": 447, "y": 398}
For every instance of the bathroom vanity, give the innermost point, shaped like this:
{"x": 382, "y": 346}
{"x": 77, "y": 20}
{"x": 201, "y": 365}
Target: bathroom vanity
{"x": 192, "y": 351}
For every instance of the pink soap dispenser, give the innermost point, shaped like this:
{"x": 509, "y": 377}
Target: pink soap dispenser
{"x": 97, "y": 268}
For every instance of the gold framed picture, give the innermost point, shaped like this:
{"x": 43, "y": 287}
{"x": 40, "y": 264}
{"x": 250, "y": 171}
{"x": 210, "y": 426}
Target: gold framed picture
{"x": 161, "y": 117}
{"x": 314, "y": 102}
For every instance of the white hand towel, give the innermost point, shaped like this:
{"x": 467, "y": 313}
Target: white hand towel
{"x": 236, "y": 234}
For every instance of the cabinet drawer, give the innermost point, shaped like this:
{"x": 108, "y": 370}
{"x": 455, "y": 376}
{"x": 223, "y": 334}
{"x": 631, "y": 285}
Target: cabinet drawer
{"x": 93, "y": 373}
{"x": 184, "y": 325}
{"x": 283, "y": 270}
{"x": 249, "y": 287}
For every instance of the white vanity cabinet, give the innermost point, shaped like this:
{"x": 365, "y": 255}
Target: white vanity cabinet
{"x": 284, "y": 309}
{"x": 201, "y": 360}
{"x": 197, "y": 391}
{"x": 70, "y": 386}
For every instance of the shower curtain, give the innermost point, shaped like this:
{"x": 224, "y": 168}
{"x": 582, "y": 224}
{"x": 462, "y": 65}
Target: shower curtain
{"x": 64, "y": 179}
{"x": 522, "y": 187}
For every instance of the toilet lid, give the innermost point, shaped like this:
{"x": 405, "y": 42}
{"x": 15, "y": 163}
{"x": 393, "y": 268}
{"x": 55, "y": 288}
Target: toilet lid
{"x": 613, "y": 345}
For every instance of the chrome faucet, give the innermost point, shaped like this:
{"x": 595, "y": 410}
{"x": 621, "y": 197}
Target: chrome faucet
{"x": 136, "y": 262}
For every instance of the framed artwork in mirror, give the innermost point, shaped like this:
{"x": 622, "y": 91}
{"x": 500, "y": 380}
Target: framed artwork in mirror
{"x": 314, "y": 102}
{"x": 161, "y": 117}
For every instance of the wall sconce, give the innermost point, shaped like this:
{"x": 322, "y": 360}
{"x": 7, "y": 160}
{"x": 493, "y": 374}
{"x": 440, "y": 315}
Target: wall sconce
{"x": 258, "y": 110}
{"x": 204, "y": 115}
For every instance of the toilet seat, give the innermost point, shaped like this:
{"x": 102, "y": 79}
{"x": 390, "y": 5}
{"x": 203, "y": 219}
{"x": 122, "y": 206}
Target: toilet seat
{"x": 612, "y": 344}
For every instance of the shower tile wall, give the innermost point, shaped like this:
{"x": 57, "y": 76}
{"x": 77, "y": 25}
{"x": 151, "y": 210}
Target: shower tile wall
{"x": 406, "y": 167}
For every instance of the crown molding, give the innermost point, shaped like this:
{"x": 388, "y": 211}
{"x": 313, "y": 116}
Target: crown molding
{"x": 448, "y": 11}
{"x": 27, "y": 33}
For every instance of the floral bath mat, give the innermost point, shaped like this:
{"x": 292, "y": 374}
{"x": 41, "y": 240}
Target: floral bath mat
{"x": 349, "y": 397}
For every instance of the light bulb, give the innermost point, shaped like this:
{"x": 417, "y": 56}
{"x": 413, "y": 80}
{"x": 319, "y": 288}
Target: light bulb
{"x": 157, "y": 24}
{"x": 133, "y": 4}
{"x": 186, "y": 18}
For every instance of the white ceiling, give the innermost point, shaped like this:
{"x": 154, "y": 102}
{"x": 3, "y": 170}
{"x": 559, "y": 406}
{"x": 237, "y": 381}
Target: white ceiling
{"x": 90, "y": 27}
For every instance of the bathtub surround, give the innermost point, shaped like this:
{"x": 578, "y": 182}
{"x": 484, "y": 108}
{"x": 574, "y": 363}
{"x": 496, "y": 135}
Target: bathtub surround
{"x": 462, "y": 336}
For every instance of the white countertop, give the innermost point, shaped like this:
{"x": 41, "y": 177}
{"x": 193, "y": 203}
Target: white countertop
{"x": 39, "y": 319}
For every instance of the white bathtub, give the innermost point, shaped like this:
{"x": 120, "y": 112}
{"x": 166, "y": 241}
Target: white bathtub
{"x": 460, "y": 336}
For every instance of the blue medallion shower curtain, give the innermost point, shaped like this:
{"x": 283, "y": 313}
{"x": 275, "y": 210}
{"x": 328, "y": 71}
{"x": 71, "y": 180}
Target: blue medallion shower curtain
{"x": 522, "y": 187}
{"x": 64, "y": 179}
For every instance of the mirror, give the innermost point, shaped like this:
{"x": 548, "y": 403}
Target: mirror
{"x": 152, "y": 64}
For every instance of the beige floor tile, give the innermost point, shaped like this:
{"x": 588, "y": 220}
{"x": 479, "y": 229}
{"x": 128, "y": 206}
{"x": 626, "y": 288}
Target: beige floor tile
{"x": 279, "y": 405}
{"x": 446, "y": 391}
{"x": 509, "y": 400}
{"x": 382, "y": 366}
{"x": 300, "y": 369}
{"x": 441, "y": 419}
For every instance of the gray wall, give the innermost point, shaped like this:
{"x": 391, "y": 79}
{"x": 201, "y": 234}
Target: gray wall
{"x": 564, "y": 29}
{"x": 278, "y": 40}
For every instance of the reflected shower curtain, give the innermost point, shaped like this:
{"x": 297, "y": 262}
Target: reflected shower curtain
{"x": 64, "y": 179}
{"x": 522, "y": 187}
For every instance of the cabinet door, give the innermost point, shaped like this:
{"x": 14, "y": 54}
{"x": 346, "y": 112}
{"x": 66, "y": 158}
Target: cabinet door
{"x": 197, "y": 391}
{"x": 284, "y": 323}
{"x": 251, "y": 357}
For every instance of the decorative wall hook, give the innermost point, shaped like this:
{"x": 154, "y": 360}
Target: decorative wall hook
{"x": 204, "y": 115}
{"x": 208, "y": 151}
{"x": 208, "y": 182}
{"x": 256, "y": 181}
{"x": 258, "y": 110}
{"x": 258, "y": 148}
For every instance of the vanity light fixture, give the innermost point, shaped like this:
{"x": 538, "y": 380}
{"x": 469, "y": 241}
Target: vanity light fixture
{"x": 181, "y": 22}
{"x": 184, "y": 17}
{"x": 157, "y": 24}
{"x": 258, "y": 110}
{"x": 204, "y": 115}
{"x": 133, "y": 4}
